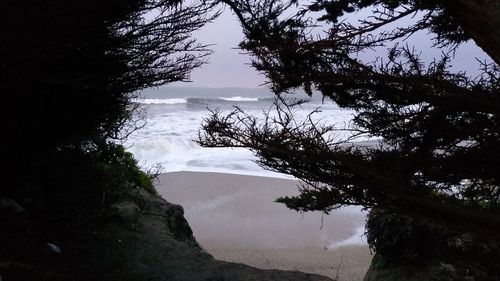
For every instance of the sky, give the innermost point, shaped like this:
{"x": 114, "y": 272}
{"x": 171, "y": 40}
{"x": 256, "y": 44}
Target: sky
{"x": 229, "y": 67}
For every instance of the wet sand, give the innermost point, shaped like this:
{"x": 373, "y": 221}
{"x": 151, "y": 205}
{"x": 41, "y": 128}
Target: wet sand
{"x": 235, "y": 218}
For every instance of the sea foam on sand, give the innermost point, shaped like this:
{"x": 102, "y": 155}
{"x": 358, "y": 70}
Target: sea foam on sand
{"x": 235, "y": 218}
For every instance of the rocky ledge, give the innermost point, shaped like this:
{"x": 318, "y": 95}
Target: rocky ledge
{"x": 151, "y": 240}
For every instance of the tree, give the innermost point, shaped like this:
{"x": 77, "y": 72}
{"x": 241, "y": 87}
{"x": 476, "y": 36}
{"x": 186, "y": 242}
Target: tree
{"x": 68, "y": 73}
{"x": 439, "y": 130}
{"x": 69, "y": 69}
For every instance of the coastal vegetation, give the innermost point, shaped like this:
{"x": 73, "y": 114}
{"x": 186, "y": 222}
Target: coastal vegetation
{"x": 68, "y": 71}
{"x": 430, "y": 175}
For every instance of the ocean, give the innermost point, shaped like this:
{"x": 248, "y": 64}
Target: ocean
{"x": 173, "y": 120}
{"x": 174, "y": 116}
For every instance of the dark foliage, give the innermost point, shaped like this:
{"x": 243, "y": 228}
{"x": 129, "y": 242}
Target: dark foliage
{"x": 68, "y": 71}
{"x": 403, "y": 238}
{"x": 439, "y": 131}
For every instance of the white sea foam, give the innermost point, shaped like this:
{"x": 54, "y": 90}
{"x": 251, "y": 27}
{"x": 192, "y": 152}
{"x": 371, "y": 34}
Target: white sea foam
{"x": 160, "y": 101}
{"x": 167, "y": 138}
{"x": 358, "y": 238}
{"x": 238, "y": 98}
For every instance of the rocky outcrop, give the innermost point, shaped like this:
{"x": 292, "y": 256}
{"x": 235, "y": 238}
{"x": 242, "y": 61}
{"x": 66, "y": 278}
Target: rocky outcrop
{"x": 159, "y": 245}
{"x": 128, "y": 211}
{"x": 143, "y": 238}
{"x": 382, "y": 270}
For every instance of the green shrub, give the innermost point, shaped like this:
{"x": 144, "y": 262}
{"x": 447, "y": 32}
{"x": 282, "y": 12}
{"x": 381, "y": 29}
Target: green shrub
{"x": 75, "y": 185}
{"x": 122, "y": 172}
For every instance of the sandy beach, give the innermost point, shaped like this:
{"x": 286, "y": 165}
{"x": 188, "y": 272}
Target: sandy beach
{"x": 235, "y": 218}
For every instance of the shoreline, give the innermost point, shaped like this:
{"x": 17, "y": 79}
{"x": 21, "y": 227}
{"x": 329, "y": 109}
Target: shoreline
{"x": 234, "y": 217}
{"x": 348, "y": 263}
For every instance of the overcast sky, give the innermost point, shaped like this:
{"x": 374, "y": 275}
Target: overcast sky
{"x": 228, "y": 67}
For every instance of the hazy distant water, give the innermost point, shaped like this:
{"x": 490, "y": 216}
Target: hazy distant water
{"x": 174, "y": 115}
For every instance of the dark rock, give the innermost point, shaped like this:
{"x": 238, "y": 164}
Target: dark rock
{"x": 127, "y": 211}
{"x": 9, "y": 205}
{"x": 160, "y": 246}
{"x": 382, "y": 270}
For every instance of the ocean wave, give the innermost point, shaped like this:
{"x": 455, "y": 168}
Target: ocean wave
{"x": 160, "y": 101}
{"x": 239, "y": 98}
{"x": 198, "y": 100}
{"x": 173, "y": 123}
